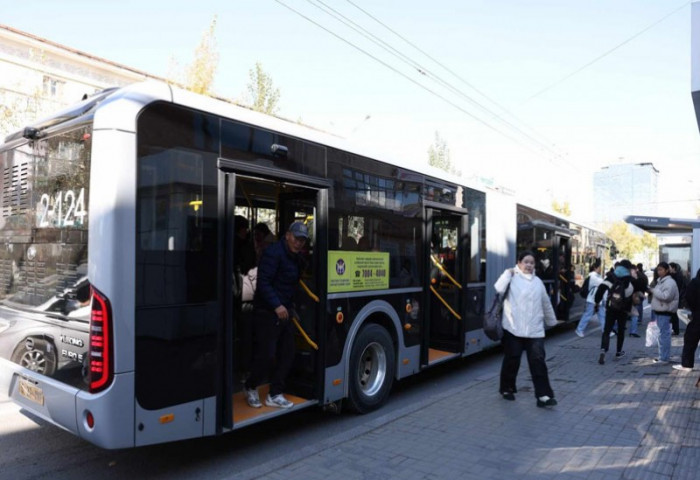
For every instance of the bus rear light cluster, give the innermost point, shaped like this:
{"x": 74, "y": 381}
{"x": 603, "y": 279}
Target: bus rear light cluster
{"x": 100, "y": 355}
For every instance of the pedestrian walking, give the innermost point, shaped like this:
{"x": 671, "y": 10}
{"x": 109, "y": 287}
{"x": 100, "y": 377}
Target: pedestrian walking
{"x": 641, "y": 284}
{"x": 619, "y": 287}
{"x": 691, "y": 338}
{"x": 526, "y": 310}
{"x": 664, "y": 303}
{"x": 594, "y": 281}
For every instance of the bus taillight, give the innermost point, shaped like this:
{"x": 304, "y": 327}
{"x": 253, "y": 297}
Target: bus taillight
{"x": 101, "y": 369}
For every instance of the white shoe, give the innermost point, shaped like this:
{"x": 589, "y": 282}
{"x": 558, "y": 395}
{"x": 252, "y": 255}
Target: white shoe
{"x": 580, "y": 334}
{"x": 682, "y": 368}
{"x": 253, "y": 398}
{"x": 278, "y": 401}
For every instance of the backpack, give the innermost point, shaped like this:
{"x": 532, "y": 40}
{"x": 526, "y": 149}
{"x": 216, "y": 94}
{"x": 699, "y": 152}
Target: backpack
{"x": 585, "y": 287}
{"x": 616, "y": 296}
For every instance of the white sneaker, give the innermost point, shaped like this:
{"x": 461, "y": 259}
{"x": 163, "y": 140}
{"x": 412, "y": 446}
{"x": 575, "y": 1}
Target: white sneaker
{"x": 580, "y": 334}
{"x": 278, "y": 401}
{"x": 253, "y": 398}
{"x": 682, "y": 368}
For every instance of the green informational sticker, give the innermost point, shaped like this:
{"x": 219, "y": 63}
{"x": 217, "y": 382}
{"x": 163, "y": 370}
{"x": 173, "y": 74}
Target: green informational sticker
{"x": 357, "y": 271}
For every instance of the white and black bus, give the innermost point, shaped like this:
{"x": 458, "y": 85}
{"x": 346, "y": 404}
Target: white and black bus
{"x": 119, "y": 318}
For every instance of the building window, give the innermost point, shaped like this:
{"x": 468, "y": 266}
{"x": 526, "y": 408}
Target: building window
{"x": 53, "y": 88}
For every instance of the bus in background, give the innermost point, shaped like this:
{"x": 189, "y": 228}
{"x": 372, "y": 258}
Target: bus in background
{"x": 564, "y": 252}
{"x": 120, "y": 317}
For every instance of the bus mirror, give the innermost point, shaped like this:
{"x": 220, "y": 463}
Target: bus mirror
{"x": 279, "y": 150}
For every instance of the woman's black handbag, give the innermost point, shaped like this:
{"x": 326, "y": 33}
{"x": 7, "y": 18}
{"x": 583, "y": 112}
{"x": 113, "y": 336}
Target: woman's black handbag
{"x": 493, "y": 320}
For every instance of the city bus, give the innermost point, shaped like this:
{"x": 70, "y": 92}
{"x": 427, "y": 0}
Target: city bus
{"x": 120, "y": 319}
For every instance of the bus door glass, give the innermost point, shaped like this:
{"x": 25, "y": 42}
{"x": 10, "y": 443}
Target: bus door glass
{"x": 565, "y": 278}
{"x": 446, "y": 290}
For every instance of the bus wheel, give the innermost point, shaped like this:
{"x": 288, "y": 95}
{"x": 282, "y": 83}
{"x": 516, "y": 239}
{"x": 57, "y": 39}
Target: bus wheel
{"x": 37, "y": 355}
{"x": 372, "y": 365}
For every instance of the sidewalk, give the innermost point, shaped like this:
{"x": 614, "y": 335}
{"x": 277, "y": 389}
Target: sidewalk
{"x": 627, "y": 419}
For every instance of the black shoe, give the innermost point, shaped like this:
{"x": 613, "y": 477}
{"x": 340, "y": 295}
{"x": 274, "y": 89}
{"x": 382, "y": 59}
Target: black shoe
{"x": 508, "y": 396}
{"x": 620, "y": 354}
{"x": 601, "y": 358}
{"x": 550, "y": 402}
{"x": 635, "y": 335}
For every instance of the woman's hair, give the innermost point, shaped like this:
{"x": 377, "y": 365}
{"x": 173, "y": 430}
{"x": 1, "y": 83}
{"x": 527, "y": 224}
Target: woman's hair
{"x": 663, "y": 265}
{"x": 525, "y": 253}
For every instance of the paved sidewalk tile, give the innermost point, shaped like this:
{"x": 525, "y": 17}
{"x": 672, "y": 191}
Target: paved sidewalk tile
{"x": 627, "y": 419}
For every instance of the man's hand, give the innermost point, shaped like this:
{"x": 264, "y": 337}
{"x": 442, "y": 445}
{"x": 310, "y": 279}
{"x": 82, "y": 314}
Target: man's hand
{"x": 282, "y": 312}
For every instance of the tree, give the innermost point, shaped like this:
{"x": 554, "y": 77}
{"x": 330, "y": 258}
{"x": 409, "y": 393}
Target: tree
{"x": 439, "y": 155}
{"x": 563, "y": 208}
{"x": 630, "y": 244}
{"x": 199, "y": 75}
{"x": 263, "y": 97}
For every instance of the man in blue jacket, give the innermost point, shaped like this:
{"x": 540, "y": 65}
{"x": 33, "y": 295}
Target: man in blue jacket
{"x": 279, "y": 272}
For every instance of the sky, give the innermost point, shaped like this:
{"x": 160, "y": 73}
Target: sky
{"x": 532, "y": 95}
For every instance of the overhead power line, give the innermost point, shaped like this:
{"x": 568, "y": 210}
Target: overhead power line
{"x": 429, "y": 74}
{"x": 608, "y": 52}
{"x": 395, "y": 70}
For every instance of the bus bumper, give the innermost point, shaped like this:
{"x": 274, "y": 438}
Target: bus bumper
{"x": 67, "y": 407}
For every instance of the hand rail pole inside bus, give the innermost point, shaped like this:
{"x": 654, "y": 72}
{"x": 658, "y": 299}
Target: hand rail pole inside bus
{"x": 444, "y": 302}
{"x": 442, "y": 269}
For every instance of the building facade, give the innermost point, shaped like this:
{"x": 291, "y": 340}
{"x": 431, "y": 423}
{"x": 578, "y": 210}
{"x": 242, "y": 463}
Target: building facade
{"x": 622, "y": 190}
{"x": 38, "y": 76}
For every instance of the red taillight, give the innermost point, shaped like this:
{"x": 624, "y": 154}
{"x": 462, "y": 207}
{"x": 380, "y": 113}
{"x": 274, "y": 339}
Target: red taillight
{"x": 100, "y": 351}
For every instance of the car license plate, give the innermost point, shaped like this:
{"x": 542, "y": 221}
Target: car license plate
{"x": 30, "y": 391}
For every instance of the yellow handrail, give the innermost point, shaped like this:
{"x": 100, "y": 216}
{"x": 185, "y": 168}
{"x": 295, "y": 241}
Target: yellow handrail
{"x": 444, "y": 302}
{"x": 442, "y": 269}
{"x": 303, "y": 334}
{"x": 308, "y": 291}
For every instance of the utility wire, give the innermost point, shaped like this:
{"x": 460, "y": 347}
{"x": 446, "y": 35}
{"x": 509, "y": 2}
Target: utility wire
{"x": 420, "y": 68}
{"x": 433, "y": 92}
{"x": 497, "y": 116}
{"x": 600, "y": 57}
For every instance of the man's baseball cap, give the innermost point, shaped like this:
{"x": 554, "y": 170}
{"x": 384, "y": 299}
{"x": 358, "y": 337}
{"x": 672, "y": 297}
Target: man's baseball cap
{"x": 298, "y": 229}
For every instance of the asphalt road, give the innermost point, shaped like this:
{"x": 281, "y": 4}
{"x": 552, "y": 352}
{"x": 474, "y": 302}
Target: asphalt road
{"x": 33, "y": 449}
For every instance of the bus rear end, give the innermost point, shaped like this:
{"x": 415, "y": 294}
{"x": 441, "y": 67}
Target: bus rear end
{"x": 56, "y": 327}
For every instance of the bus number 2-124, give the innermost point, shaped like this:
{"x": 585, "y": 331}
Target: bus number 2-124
{"x": 63, "y": 209}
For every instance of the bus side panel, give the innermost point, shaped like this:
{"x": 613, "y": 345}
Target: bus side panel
{"x": 113, "y": 411}
{"x": 172, "y": 423}
{"x": 112, "y": 232}
{"x": 500, "y": 239}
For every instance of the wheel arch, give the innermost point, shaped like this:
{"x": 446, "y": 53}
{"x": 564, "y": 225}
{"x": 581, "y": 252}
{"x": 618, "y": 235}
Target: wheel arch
{"x": 383, "y": 314}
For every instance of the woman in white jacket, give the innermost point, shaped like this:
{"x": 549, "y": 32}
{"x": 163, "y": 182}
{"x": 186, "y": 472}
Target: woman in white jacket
{"x": 526, "y": 310}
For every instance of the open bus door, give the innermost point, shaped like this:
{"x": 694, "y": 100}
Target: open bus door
{"x": 261, "y": 195}
{"x": 444, "y": 318}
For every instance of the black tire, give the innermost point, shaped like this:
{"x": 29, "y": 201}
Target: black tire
{"x": 36, "y": 354}
{"x": 372, "y": 367}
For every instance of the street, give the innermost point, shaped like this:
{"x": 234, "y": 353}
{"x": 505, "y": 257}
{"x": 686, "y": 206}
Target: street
{"x": 34, "y": 449}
